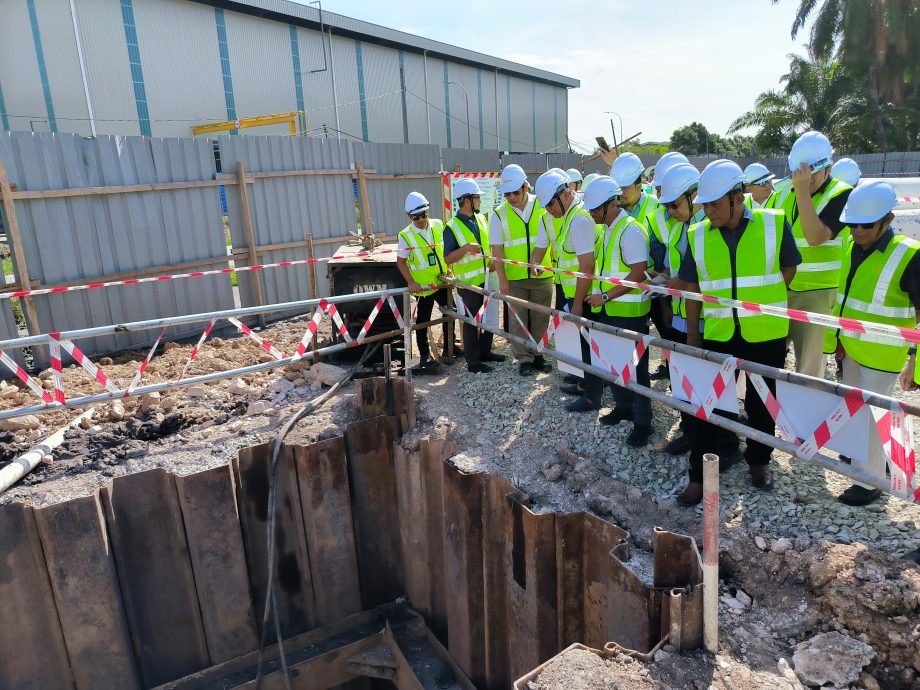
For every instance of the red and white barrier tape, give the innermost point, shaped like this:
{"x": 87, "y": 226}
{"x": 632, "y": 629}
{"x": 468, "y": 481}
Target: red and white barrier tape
{"x": 23, "y": 376}
{"x": 191, "y": 357}
{"x": 263, "y": 343}
{"x": 54, "y": 352}
{"x": 84, "y": 361}
{"x": 143, "y": 367}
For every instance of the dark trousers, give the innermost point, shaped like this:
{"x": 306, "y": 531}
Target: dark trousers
{"x": 624, "y": 398}
{"x": 476, "y": 342}
{"x": 671, "y": 333}
{"x": 425, "y": 305}
{"x": 707, "y": 438}
{"x": 658, "y": 317}
{"x": 561, "y": 299}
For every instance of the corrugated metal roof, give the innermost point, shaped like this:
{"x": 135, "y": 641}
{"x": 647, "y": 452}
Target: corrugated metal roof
{"x": 304, "y": 15}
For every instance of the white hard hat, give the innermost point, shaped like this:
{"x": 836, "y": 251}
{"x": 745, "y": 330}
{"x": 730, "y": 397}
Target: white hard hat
{"x": 757, "y": 173}
{"x": 627, "y": 169}
{"x": 465, "y": 187}
{"x": 589, "y": 178}
{"x": 416, "y": 203}
{"x": 574, "y": 175}
{"x": 602, "y": 190}
{"x": 548, "y": 184}
{"x": 812, "y": 148}
{"x": 717, "y": 180}
{"x": 513, "y": 178}
{"x": 665, "y": 163}
{"x": 869, "y": 202}
{"x": 846, "y": 170}
{"x": 678, "y": 180}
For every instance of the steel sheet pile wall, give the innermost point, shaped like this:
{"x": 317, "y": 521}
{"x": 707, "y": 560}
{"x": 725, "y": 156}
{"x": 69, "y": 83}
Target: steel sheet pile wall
{"x": 284, "y": 209}
{"x": 155, "y": 576}
{"x": 83, "y": 237}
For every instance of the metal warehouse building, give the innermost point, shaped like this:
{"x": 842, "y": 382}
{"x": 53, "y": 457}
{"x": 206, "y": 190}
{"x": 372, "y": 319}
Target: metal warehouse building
{"x": 160, "y": 67}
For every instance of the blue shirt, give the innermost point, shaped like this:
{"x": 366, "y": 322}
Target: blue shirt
{"x": 450, "y": 242}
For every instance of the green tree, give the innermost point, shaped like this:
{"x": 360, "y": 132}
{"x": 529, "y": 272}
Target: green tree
{"x": 691, "y": 140}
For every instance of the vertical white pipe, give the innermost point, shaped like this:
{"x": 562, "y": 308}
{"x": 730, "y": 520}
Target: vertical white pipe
{"x": 427, "y": 111}
{"x": 711, "y": 552}
{"x": 498, "y": 143}
{"x": 407, "y": 336}
{"x": 76, "y": 35}
{"x": 335, "y": 94}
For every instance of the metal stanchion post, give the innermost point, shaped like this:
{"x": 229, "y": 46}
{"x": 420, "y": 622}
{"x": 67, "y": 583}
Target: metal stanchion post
{"x": 711, "y": 552}
{"x": 407, "y": 337}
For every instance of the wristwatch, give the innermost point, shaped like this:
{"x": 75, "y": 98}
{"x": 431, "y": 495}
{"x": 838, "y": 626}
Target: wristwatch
{"x": 605, "y": 296}
{"x": 912, "y": 350}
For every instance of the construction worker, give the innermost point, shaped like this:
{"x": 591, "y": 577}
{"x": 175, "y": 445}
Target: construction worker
{"x": 513, "y": 231}
{"x": 624, "y": 255}
{"x": 813, "y": 210}
{"x": 846, "y": 170}
{"x": 576, "y": 246}
{"x": 575, "y": 179}
{"x": 676, "y": 191}
{"x": 741, "y": 254}
{"x": 664, "y": 164}
{"x": 880, "y": 282}
{"x": 420, "y": 260}
{"x": 758, "y": 183}
{"x": 466, "y": 251}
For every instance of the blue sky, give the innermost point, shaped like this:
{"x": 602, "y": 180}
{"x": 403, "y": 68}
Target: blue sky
{"x": 660, "y": 64}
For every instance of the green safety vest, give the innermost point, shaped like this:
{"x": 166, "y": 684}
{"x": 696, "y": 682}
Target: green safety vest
{"x": 771, "y": 202}
{"x": 425, "y": 263}
{"x": 556, "y": 223}
{"x": 676, "y": 230}
{"x": 568, "y": 259}
{"x": 756, "y": 277}
{"x": 519, "y": 239}
{"x": 820, "y": 267}
{"x": 609, "y": 263}
{"x": 471, "y": 269}
{"x": 875, "y": 295}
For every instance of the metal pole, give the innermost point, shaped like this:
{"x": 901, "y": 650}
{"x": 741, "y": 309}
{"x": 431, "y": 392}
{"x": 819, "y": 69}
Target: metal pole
{"x": 619, "y": 117}
{"x": 76, "y": 35}
{"x": 711, "y": 552}
{"x": 407, "y": 335}
{"x": 335, "y": 96}
{"x": 466, "y": 96}
{"x": 498, "y": 143}
{"x": 427, "y": 110}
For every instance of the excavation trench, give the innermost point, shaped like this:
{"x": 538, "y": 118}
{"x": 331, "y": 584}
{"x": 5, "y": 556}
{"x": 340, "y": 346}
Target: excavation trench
{"x": 392, "y": 568}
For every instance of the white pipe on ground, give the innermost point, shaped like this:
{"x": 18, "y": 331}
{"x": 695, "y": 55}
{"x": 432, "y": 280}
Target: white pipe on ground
{"x": 711, "y": 552}
{"x": 27, "y": 462}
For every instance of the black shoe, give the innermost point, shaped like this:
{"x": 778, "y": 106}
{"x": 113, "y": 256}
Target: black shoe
{"x": 570, "y": 379}
{"x": 761, "y": 476}
{"x": 638, "y": 437}
{"x": 616, "y": 415}
{"x": 526, "y": 369}
{"x": 583, "y": 405}
{"x": 541, "y": 364}
{"x": 479, "y": 368}
{"x": 662, "y": 372}
{"x": 859, "y": 496}
{"x": 573, "y": 390}
{"x": 492, "y": 357}
{"x": 427, "y": 366}
{"x": 678, "y": 445}
{"x": 846, "y": 459}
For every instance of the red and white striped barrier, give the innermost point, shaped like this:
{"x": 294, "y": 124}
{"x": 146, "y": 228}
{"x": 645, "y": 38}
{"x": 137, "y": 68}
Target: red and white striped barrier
{"x": 263, "y": 343}
{"x": 143, "y": 367}
{"x": 194, "y": 353}
{"x": 23, "y": 376}
{"x": 89, "y": 367}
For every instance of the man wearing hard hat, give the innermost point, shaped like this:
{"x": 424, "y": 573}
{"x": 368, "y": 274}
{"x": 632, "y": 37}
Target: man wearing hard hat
{"x": 575, "y": 179}
{"x": 813, "y": 210}
{"x": 623, "y": 255}
{"x": 847, "y": 171}
{"x": 420, "y": 260}
{"x": 880, "y": 282}
{"x": 758, "y": 181}
{"x": 747, "y": 255}
{"x": 466, "y": 251}
{"x": 513, "y": 230}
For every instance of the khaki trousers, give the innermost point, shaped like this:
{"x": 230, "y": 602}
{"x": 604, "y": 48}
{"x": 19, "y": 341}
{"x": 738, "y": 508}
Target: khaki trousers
{"x": 807, "y": 338}
{"x": 536, "y": 290}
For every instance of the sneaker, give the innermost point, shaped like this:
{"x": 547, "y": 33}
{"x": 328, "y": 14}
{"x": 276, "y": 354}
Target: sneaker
{"x": 573, "y": 390}
{"x": 638, "y": 437}
{"x": 662, "y": 372}
{"x": 526, "y": 369}
{"x": 616, "y": 415}
{"x": 570, "y": 379}
{"x": 678, "y": 445}
{"x": 859, "y": 496}
{"x": 541, "y": 364}
{"x": 492, "y": 357}
{"x": 479, "y": 368}
{"x": 692, "y": 495}
{"x": 583, "y": 405}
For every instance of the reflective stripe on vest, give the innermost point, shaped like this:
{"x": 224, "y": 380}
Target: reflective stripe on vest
{"x": 519, "y": 239}
{"x": 875, "y": 295}
{"x": 423, "y": 271}
{"x": 568, "y": 259}
{"x": 820, "y": 267}
{"x": 471, "y": 269}
{"x": 609, "y": 263}
{"x": 756, "y": 277}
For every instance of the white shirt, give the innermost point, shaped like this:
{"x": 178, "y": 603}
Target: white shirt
{"x": 582, "y": 233}
{"x": 403, "y": 250}
{"x": 495, "y": 223}
{"x": 633, "y": 243}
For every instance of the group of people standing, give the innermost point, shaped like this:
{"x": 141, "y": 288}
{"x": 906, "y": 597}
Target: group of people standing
{"x": 813, "y": 243}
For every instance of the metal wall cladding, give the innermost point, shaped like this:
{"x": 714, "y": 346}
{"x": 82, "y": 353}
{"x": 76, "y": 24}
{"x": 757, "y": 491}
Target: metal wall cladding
{"x": 531, "y": 162}
{"x": 285, "y": 209}
{"x": 22, "y": 91}
{"x": 346, "y": 85}
{"x": 317, "y": 85}
{"x": 436, "y": 105}
{"x": 416, "y": 108}
{"x": 490, "y": 114}
{"x": 548, "y": 137}
{"x": 487, "y": 160}
{"x": 522, "y": 112}
{"x": 81, "y": 238}
{"x": 463, "y": 101}
{"x": 387, "y": 197}
{"x": 382, "y": 93}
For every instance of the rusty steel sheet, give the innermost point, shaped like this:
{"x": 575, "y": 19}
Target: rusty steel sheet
{"x": 369, "y": 448}
{"x": 85, "y": 583}
{"x": 155, "y": 574}
{"x": 322, "y": 474}
{"x": 432, "y": 453}
{"x": 28, "y": 618}
{"x": 570, "y": 568}
{"x": 413, "y": 526}
{"x": 374, "y": 400}
{"x": 208, "y": 503}
{"x": 678, "y": 571}
{"x": 293, "y": 586}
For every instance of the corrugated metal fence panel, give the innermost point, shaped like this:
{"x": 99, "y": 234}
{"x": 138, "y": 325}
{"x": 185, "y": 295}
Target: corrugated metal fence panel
{"x": 565, "y": 160}
{"x": 870, "y": 163}
{"x": 82, "y": 238}
{"x": 284, "y": 209}
{"x": 387, "y": 197}
{"x": 531, "y": 162}
{"x": 9, "y": 329}
{"x": 477, "y": 160}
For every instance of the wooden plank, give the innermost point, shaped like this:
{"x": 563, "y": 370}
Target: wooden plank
{"x": 351, "y": 172}
{"x": 250, "y": 237}
{"x": 158, "y": 588}
{"x": 369, "y": 445}
{"x": 32, "y": 651}
{"x": 413, "y": 525}
{"x": 432, "y": 454}
{"x": 463, "y": 563}
{"x": 14, "y": 236}
{"x": 322, "y": 475}
{"x": 367, "y": 222}
{"x": 293, "y": 582}
{"x": 570, "y": 573}
{"x": 208, "y": 504}
{"x": 68, "y": 192}
{"x": 311, "y": 267}
{"x": 495, "y": 519}
{"x": 85, "y": 583}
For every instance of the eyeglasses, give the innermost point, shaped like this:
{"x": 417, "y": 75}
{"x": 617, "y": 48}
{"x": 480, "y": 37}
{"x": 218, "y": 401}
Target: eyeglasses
{"x": 863, "y": 226}
{"x": 418, "y": 216}
{"x": 673, "y": 205}
{"x": 511, "y": 195}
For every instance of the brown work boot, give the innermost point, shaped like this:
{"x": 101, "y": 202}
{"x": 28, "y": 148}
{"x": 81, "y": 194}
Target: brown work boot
{"x": 692, "y": 495}
{"x": 761, "y": 476}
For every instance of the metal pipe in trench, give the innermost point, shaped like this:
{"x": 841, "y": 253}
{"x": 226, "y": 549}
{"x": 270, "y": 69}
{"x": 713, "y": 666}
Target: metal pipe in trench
{"x": 711, "y": 552}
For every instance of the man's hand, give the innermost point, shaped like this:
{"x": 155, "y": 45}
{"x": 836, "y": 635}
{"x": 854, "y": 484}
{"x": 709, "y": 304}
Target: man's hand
{"x": 414, "y": 287}
{"x": 473, "y": 249}
{"x": 492, "y": 264}
{"x": 906, "y": 379}
{"x": 577, "y": 308}
{"x": 595, "y": 300}
{"x": 801, "y": 178}
{"x": 504, "y": 286}
{"x": 609, "y": 156}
